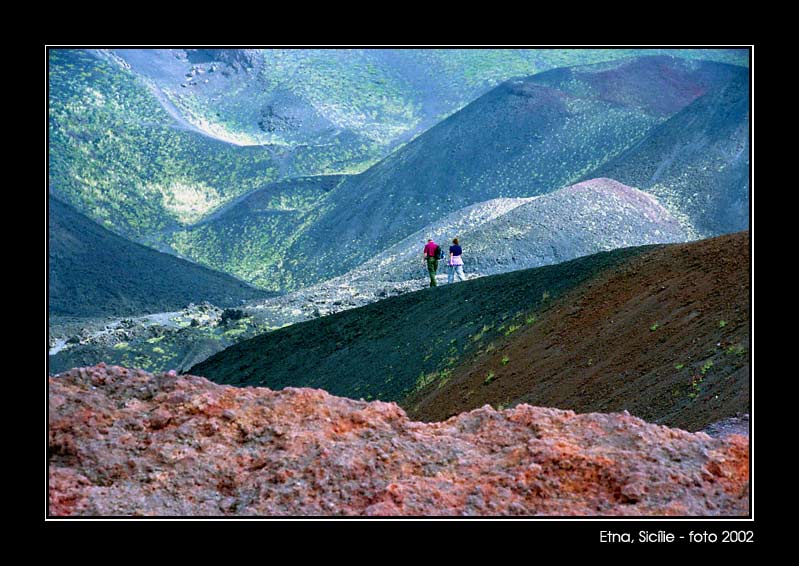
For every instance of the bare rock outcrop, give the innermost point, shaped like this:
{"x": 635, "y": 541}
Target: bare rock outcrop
{"x": 127, "y": 443}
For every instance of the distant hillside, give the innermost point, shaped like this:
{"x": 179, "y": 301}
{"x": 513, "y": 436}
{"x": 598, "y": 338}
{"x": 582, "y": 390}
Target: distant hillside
{"x": 697, "y": 162}
{"x": 502, "y": 235}
{"x": 524, "y": 138}
{"x": 139, "y": 137}
{"x": 94, "y": 272}
{"x": 662, "y": 331}
{"x": 345, "y": 108}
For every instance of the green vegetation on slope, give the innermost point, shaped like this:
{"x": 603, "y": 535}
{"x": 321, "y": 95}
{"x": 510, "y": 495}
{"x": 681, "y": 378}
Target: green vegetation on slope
{"x": 118, "y": 157}
{"x": 253, "y": 238}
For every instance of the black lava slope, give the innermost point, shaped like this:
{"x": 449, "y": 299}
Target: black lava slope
{"x": 94, "y": 272}
{"x": 387, "y": 349}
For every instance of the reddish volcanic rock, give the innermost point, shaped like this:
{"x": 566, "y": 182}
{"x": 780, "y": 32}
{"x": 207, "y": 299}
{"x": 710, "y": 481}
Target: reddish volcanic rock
{"x": 125, "y": 442}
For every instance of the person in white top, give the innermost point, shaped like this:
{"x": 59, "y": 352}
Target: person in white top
{"x": 455, "y": 262}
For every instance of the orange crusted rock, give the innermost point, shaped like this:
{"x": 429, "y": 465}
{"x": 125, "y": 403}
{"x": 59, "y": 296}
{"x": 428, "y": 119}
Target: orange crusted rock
{"x": 128, "y": 443}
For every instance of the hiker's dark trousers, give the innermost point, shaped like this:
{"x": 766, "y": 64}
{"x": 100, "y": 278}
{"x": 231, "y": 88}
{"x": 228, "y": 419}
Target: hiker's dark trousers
{"x": 432, "y": 268}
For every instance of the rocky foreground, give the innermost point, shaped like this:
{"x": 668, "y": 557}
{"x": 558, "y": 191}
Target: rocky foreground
{"x": 125, "y": 442}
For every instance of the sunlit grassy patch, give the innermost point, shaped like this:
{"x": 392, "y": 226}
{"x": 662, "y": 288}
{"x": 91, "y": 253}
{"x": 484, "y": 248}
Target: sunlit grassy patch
{"x": 188, "y": 200}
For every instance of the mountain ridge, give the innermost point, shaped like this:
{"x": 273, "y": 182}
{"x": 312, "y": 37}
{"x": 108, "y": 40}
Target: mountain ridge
{"x": 338, "y": 358}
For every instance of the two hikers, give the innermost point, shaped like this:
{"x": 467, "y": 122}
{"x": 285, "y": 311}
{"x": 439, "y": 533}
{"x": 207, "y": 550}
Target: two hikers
{"x": 433, "y": 253}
